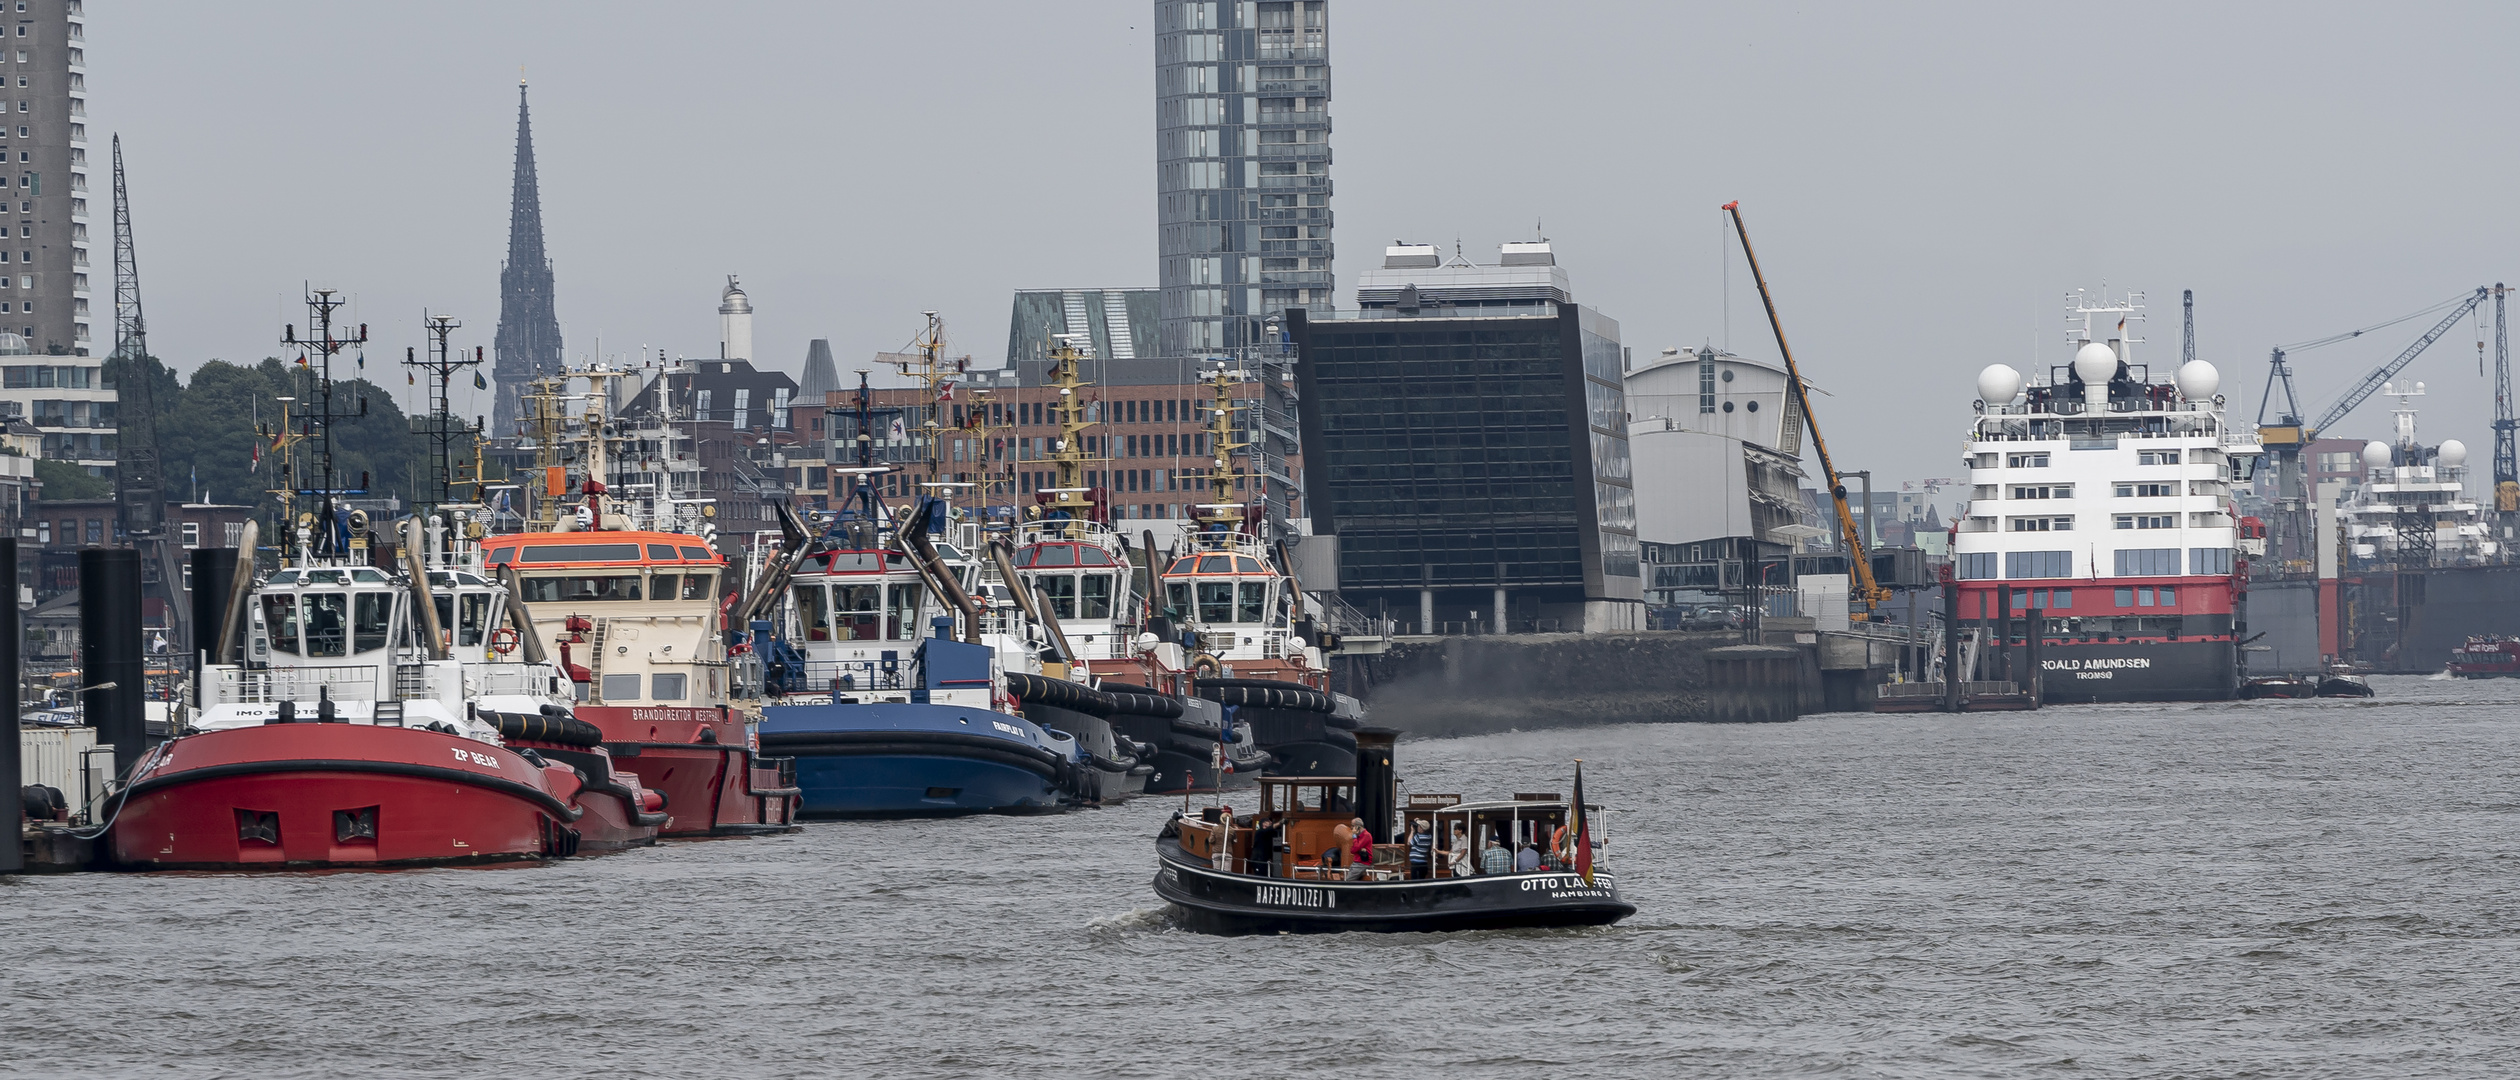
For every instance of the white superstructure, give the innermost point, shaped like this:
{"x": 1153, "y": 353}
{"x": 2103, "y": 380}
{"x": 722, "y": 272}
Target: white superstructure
{"x": 2098, "y": 470}
{"x": 2412, "y": 508}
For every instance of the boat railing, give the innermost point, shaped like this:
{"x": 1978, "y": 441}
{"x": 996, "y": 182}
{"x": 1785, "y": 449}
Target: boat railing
{"x": 348, "y": 682}
{"x": 508, "y": 678}
{"x": 850, "y": 676}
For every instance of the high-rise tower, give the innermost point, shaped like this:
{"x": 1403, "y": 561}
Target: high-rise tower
{"x": 529, "y": 331}
{"x": 1242, "y": 93}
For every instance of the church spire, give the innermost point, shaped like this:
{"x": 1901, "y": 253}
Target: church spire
{"x": 529, "y": 331}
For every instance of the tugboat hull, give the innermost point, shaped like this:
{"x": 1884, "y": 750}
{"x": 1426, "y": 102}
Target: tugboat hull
{"x": 1213, "y": 902}
{"x": 902, "y": 759}
{"x": 318, "y": 796}
{"x": 713, "y": 785}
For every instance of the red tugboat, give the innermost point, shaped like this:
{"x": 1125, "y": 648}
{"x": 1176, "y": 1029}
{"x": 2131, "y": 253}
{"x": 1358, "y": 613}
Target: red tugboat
{"x": 351, "y": 733}
{"x": 634, "y": 618}
{"x": 2486, "y": 656}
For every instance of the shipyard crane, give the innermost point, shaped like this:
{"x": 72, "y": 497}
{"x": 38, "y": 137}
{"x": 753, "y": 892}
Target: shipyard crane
{"x": 2506, "y": 460}
{"x": 138, "y": 489}
{"x": 2285, "y": 437}
{"x": 1868, "y": 591}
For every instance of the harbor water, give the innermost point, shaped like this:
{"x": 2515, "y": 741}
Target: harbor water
{"x": 2321, "y": 888}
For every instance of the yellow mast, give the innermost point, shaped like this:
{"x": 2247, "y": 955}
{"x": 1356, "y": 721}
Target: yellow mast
{"x": 1223, "y": 508}
{"x": 1067, "y": 454}
{"x": 925, "y": 363}
{"x": 545, "y": 420}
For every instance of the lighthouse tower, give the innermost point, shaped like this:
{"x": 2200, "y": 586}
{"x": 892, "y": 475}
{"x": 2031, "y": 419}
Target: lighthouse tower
{"x": 734, "y": 322}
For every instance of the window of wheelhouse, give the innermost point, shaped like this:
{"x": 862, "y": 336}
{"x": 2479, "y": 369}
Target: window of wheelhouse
{"x": 1060, "y": 589}
{"x": 812, "y": 612}
{"x": 1177, "y": 597}
{"x": 327, "y": 624}
{"x": 472, "y": 624}
{"x": 1253, "y": 606}
{"x": 695, "y": 586}
{"x": 904, "y": 622}
{"x": 1216, "y": 601}
{"x": 1093, "y": 598}
{"x": 372, "y": 616}
{"x": 280, "y": 618}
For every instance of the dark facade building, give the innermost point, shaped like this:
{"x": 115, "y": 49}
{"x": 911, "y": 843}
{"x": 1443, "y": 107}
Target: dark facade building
{"x": 1465, "y": 436}
{"x": 529, "y": 328}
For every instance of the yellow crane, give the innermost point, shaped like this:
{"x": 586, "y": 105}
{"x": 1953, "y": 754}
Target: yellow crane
{"x": 1867, "y": 591}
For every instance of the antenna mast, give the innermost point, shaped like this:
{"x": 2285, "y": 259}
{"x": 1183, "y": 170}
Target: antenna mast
{"x": 441, "y": 426}
{"x": 2187, "y": 322}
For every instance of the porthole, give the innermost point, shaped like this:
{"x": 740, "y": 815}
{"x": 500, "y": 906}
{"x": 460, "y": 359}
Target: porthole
{"x": 1727, "y": 374}
{"x": 1754, "y": 404}
{"x": 1728, "y": 406}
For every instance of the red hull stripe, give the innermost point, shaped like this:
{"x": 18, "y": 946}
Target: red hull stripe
{"x": 500, "y": 784}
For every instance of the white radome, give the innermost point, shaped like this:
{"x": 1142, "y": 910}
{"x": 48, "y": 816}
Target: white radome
{"x": 2095, "y": 363}
{"x": 2376, "y": 454}
{"x": 2453, "y": 453}
{"x": 1999, "y": 384}
{"x": 2198, "y": 380}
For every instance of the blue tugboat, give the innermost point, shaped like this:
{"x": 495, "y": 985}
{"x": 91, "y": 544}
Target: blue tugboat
{"x": 942, "y": 748}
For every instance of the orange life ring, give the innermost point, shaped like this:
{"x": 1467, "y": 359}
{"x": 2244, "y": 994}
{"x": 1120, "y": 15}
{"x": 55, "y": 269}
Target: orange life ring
{"x": 503, "y": 640}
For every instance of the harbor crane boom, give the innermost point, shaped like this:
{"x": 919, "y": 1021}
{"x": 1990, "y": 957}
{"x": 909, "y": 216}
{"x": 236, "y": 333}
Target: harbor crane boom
{"x": 2371, "y": 384}
{"x": 1868, "y": 591}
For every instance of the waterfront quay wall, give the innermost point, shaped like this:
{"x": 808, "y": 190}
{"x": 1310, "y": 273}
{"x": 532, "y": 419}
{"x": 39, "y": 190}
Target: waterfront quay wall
{"x": 1476, "y": 685}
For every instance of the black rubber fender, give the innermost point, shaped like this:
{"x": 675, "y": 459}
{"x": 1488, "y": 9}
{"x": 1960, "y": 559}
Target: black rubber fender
{"x": 1059, "y": 692}
{"x": 1265, "y": 693}
{"x": 557, "y": 730}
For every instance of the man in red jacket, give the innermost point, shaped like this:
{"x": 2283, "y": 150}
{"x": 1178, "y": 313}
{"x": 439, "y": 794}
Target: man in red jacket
{"x": 1360, "y": 850}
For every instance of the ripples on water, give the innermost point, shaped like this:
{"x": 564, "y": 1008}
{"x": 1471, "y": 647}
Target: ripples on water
{"x": 2315, "y": 888}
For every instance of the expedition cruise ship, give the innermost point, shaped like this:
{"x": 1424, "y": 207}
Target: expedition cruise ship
{"x": 2102, "y": 498}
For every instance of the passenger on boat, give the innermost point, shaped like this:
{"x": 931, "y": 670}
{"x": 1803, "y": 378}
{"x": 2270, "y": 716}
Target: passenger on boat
{"x": 1360, "y": 849}
{"x": 1495, "y": 859}
{"x": 1268, "y": 842}
{"x": 1421, "y": 841}
{"x": 1339, "y": 838}
{"x": 1528, "y": 860}
{"x": 1460, "y": 854}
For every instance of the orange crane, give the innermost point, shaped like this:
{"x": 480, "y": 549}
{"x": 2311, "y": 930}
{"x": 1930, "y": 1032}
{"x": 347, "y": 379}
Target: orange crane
{"x": 1868, "y": 591}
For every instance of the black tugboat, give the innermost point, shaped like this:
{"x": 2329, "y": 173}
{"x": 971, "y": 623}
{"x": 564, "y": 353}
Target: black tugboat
{"x": 1285, "y": 869}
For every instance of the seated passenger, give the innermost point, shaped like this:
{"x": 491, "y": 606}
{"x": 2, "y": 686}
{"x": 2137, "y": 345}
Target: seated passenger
{"x": 1527, "y": 860}
{"x": 1494, "y": 859}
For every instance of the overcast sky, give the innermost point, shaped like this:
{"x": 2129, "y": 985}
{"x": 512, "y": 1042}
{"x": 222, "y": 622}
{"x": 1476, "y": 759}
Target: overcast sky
{"x": 1924, "y": 183}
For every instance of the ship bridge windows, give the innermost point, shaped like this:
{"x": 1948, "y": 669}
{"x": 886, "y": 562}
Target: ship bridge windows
{"x": 2146, "y": 491}
{"x": 582, "y": 588}
{"x": 2043, "y": 491}
{"x": 859, "y": 611}
{"x": 2147, "y": 562}
{"x": 2026, "y": 461}
{"x": 280, "y": 619}
{"x": 1216, "y": 601}
{"x": 466, "y": 616}
{"x": 2038, "y": 564}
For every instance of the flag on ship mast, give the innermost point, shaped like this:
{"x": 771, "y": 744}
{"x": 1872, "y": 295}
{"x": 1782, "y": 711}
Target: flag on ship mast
{"x": 1581, "y": 834}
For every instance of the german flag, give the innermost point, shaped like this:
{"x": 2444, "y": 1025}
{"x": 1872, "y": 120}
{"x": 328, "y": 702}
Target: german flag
{"x": 1581, "y": 834}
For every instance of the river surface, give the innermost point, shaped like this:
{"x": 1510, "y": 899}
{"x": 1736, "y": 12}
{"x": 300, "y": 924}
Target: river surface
{"x": 2260, "y": 889}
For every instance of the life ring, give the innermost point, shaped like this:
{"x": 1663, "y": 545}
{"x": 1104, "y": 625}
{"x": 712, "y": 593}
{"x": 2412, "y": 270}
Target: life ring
{"x": 1206, "y": 666}
{"x": 503, "y": 640}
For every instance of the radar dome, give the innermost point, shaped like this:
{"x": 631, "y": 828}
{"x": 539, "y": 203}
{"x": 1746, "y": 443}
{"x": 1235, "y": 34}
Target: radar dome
{"x": 2376, "y": 454}
{"x": 2095, "y": 363}
{"x": 1999, "y": 384}
{"x": 2452, "y": 455}
{"x": 2198, "y": 380}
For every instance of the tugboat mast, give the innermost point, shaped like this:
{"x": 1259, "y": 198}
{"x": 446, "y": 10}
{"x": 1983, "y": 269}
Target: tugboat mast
{"x": 1222, "y": 509}
{"x": 1069, "y": 491}
{"x": 323, "y": 343}
{"x": 443, "y": 430}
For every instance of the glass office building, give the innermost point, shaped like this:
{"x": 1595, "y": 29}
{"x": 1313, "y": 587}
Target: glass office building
{"x": 1465, "y": 440}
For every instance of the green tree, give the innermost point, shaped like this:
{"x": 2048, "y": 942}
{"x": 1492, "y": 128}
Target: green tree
{"x": 70, "y": 480}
